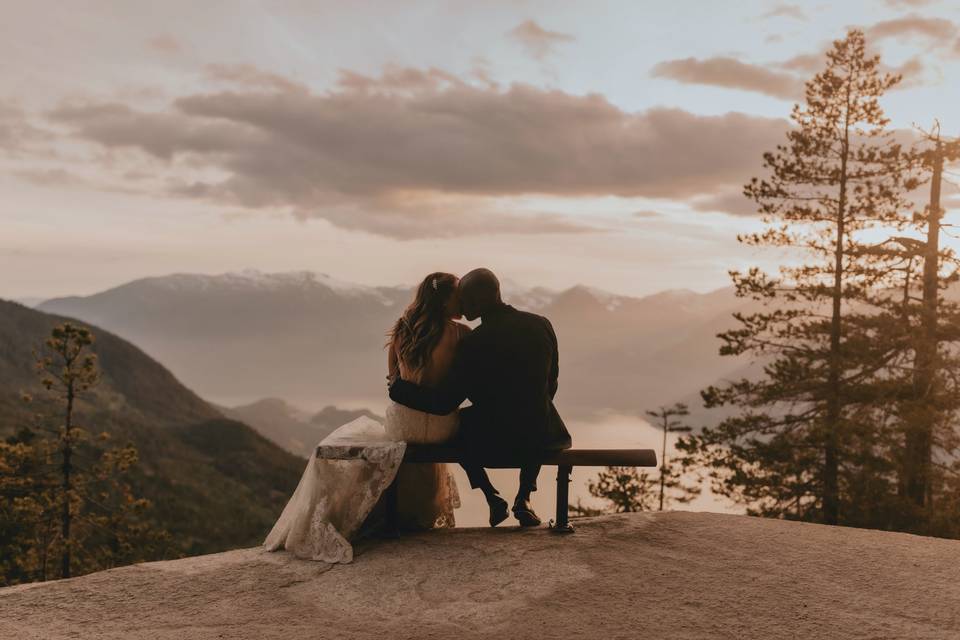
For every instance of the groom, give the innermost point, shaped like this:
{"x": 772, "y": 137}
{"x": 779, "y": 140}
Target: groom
{"x": 508, "y": 369}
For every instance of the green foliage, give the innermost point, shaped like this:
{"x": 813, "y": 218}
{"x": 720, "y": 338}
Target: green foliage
{"x": 69, "y": 508}
{"x": 838, "y": 176}
{"x": 212, "y": 484}
{"x": 673, "y": 488}
{"x": 821, "y": 435}
{"x": 627, "y": 489}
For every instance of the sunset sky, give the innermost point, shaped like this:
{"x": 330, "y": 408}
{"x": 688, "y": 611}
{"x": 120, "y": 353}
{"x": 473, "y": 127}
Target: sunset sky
{"x": 602, "y": 143}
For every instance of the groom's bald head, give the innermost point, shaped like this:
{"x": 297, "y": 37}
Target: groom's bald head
{"x": 479, "y": 293}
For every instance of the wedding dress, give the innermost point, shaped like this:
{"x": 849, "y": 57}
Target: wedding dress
{"x": 335, "y": 497}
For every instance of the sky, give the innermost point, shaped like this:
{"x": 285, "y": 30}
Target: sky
{"x": 559, "y": 143}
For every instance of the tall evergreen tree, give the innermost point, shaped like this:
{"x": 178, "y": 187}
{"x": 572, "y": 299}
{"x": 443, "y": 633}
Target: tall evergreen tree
{"x": 799, "y": 438}
{"x": 68, "y": 369}
{"x": 923, "y": 399}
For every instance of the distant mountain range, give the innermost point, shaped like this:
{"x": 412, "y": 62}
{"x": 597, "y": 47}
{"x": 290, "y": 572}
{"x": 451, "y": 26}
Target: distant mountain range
{"x": 215, "y": 483}
{"x": 315, "y": 341}
{"x": 293, "y": 429}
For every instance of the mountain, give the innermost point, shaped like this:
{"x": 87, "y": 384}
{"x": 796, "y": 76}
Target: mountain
{"x": 329, "y": 418}
{"x": 215, "y": 483}
{"x": 649, "y": 575}
{"x": 293, "y": 429}
{"x": 631, "y": 354}
{"x": 29, "y": 301}
{"x": 315, "y": 341}
{"x": 238, "y": 337}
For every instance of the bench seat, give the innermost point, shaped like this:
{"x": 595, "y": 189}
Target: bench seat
{"x": 564, "y": 460}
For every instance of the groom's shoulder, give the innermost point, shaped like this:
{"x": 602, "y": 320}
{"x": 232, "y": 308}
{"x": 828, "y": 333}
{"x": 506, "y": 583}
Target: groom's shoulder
{"x": 535, "y": 317}
{"x": 534, "y": 322}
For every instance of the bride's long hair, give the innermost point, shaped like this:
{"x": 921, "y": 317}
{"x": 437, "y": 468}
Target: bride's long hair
{"x": 418, "y": 331}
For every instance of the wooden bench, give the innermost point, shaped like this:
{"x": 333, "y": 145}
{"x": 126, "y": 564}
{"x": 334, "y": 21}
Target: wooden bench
{"x": 564, "y": 460}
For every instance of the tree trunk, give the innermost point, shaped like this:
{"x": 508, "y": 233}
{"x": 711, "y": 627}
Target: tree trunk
{"x": 67, "y": 468}
{"x": 832, "y": 423}
{"x": 919, "y": 432}
{"x": 831, "y": 463}
{"x": 663, "y": 461}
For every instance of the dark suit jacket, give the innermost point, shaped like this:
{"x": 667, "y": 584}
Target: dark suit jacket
{"x": 508, "y": 369}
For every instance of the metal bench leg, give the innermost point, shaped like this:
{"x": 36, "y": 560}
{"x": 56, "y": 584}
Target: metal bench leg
{"x": 392, "y": 503}
{"x": 562, "y": 524}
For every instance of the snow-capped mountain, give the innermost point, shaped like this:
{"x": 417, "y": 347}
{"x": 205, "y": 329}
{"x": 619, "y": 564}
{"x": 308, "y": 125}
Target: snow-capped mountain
{"x": 314, "y": 340}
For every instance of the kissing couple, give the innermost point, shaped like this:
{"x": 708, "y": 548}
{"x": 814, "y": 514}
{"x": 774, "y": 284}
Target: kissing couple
{"x": 507, "y": 368}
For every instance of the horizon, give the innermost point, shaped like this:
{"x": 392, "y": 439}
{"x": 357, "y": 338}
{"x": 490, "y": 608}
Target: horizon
{"x": 233, "y": 140}
{"x": 508, "y": 285}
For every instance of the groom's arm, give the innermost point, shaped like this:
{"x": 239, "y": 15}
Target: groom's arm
{"x": 554, "y": 381}
{"x": 440, "y": 400}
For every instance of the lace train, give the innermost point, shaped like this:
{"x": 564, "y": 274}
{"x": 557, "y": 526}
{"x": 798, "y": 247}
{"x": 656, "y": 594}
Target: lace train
{"x": 335, "y": 497}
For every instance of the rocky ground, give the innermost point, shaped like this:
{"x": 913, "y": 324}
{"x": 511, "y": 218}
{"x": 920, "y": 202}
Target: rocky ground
{"x": 670, "y": 575}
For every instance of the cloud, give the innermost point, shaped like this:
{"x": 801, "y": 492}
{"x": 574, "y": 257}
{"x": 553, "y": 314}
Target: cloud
{"x": 901, "y": 4}
{"x": 805, "y": 62}
{"x": 165, "y": 43}
{"x": 17, "y": 134}
{"x": 786, "y": 11}
{"x": 732, "y": 202}
{"x": 250, "y": 76}
{"x": 399, "y": 80}
{"x": 938, "y": 31}
{"x": 58, "y": 177}
{"x": 50, "y": 177}
{"x": 420, "y": 216}
{"x": 732, "y": 74}
{"x": 399, "y": 154}
{"x": 538, "y": 42}
{"x": 912, "y": 71}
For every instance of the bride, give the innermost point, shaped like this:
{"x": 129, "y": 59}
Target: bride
{"x": 335, "y": 498}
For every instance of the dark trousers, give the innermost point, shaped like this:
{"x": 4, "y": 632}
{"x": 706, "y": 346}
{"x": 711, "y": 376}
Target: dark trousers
{"x": 477, "y": 444}
{"x": 479, "y": 478}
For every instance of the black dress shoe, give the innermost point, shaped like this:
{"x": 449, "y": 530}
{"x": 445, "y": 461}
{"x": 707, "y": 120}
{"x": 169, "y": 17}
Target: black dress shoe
{"x": 498, "y": 510}
{"x": 525, "y": 514}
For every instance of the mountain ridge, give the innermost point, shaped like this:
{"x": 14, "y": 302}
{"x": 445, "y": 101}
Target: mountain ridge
{"x": 214, "y": 482}
{"x": 292, "y": 428}
{"x": 316, "y": 344}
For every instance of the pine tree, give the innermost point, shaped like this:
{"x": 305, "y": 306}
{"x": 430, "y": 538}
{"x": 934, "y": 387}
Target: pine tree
{"x": 627, "y": 489}
{"x": 67, "y": 498}
{"x": 671, "y": 469}
{"x": 801, "y": 435}
{"x": 68, "y": 369}
{"x": 923, "y": 398}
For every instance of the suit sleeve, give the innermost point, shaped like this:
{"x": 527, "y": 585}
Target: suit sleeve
{"x": 555, "y": 366}
{"x": 440, "y": 400}
{"x": 393, "y": 364}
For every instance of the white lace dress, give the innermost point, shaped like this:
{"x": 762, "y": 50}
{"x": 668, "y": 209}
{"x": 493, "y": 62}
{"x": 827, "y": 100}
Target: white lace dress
{"x": 335, "y": 497}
